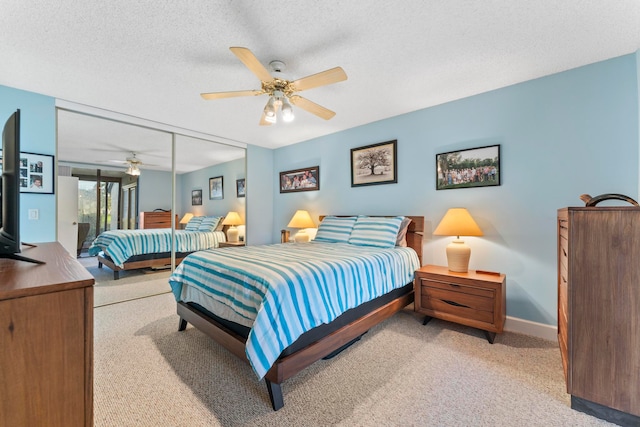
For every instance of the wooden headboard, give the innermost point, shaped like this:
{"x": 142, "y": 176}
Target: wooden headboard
{"x": 414, "y": 232}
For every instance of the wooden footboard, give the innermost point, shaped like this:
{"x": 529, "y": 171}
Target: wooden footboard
{"x": 290, "y": 365}
{"x": 135, "y": 265}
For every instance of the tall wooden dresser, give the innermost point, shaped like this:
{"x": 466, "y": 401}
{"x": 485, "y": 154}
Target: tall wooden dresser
{"x": 157, "y": 219}
{"x": 46, "y": 340}
{"x": 599, "y": 310}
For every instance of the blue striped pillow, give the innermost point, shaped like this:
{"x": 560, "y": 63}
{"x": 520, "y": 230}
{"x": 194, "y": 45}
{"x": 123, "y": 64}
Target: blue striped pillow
{"x": 376, "y": 231}
{"x": 193, "y": 223}
{"x": 335, "y": 229}
{"x": 209, "y": 223}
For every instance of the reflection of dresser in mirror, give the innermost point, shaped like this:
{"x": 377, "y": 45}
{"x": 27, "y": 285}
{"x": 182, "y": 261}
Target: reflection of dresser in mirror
{"x": 157, "y": 219}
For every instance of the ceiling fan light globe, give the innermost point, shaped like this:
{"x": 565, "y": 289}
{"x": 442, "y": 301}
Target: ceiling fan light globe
{"x": 270, "y": 119}
{"x": 287, "y": 113}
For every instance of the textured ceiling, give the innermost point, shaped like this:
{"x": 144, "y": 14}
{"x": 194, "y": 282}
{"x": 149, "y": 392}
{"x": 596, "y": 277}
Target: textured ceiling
{"x": 151, "y": 59}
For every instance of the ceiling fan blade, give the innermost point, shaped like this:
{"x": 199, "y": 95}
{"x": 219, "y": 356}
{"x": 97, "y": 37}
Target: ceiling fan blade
{"x": 251, "y": 62}
{"x": 312, "y": 107}
{"x": 263, "y": 122}
{"x": 220, "y": 95}
{"x": 327, "y": 77}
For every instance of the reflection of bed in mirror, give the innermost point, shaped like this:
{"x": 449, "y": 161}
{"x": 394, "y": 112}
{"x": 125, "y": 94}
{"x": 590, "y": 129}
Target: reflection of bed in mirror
{"x": 368, "y": 285}
{"x": 122, "y": 250}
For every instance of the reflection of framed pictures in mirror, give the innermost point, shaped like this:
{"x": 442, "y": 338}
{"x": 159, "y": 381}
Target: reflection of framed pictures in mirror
{"x": 240, "y": 187}
{"x": 196, "y": 197}
{"x": 36, "y": 173}
{"x": 215, "y": 188}
{"x": 374, "y": 164}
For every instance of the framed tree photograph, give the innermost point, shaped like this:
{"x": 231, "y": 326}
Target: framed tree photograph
{"x": 215, "y": 188}
{"x": 196, "y": 197}
{"x": 36, "y": 173}
{"x": 240, "y": 188}
{"x": 374, "y": 164}
{"x": 473, "y": 167}
{"x": 307, "y": 179}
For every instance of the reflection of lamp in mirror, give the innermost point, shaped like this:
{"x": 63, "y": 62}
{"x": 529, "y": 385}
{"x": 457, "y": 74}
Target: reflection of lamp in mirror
{"x": 301, "y": 219}
{"x": 232, "y": 219}
{"x": 458, "y": 222}
{"x": 185, "y": 219}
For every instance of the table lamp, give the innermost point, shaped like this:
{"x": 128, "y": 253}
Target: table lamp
{"x": 458, "y": 222}
{"x": 185, "y": 219}
{"x": 301, "y": 219}
{"x": 232, "y": 219}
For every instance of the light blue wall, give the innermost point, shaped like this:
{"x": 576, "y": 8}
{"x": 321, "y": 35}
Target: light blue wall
{"x": 261, "y": 228}
{"x": 37, "y": 135}
{"x": 561, "y": 136}
{"x": 230, "y": 171}
{"x": 154, "y": 190}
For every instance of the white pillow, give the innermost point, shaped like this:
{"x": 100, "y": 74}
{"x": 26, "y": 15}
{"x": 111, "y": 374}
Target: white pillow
{"x": 376, "y": 231}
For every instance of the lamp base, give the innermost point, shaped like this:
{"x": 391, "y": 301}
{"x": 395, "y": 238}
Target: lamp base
{"x": 458, "y": 254}
{"x": 232, "y": 234}
{"x": 301, "y": 237}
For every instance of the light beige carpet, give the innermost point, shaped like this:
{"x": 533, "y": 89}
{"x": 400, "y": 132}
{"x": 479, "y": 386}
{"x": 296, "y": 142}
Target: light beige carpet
{"x": 131, "y": 285}
{"x": 400, "y": 374}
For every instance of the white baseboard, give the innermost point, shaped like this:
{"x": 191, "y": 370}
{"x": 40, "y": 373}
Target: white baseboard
{"x": 527, "y": 327}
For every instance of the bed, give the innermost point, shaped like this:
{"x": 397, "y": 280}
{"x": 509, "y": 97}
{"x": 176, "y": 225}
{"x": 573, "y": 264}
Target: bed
{"x": 151, "y": 248}
{"x": 282, "y": 307}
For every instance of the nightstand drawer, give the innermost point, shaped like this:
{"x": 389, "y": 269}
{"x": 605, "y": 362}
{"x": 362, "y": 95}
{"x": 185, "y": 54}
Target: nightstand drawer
{"x": 456, "y": 287}
{"x": 458, "y": 304}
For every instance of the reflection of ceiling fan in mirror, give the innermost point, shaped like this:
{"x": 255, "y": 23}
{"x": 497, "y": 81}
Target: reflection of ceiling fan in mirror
{"x": 282, "y": 93}
{"x": 133, "y": 164}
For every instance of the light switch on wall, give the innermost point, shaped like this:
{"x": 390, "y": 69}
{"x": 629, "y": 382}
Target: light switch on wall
{"x": 34, "y": 214}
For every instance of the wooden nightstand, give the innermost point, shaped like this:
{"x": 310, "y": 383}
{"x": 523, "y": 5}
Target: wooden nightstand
{"x": 475, "y": 298}
{"x": 230, "y": 244}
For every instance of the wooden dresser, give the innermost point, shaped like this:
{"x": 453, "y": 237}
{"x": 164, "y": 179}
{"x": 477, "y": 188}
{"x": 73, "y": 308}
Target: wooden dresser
{"x": 157, "y": 219}
{"x": 46, "y": 340}
{"x": 599, "y": 310}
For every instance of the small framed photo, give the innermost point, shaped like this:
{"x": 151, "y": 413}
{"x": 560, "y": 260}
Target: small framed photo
{"x": 215, "y": 188}
{"x": 240, "y": 187}
{"x": 196, "y": 197}
{"x": 374, "y": 164}
{"x": 307, "y": 179}
{"x": 473, "y": 167}
{"x": 36, "y": 173}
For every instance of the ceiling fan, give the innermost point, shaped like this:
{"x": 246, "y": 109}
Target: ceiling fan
{"x": 282, "y": 93}
{"x": 133, "y": 164}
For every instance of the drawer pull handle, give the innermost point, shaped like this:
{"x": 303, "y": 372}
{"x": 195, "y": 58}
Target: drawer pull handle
{"x": 455, "y": 303}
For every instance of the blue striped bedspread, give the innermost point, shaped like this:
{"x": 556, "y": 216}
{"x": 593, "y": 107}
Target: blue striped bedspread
{"x": 288, "y": 289}
{"x": 120, "y": 245}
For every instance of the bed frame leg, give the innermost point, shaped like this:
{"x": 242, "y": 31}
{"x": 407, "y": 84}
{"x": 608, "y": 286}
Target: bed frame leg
{"x": 275, "y": 394}
{"x": 116, "y": 275}
{"x": 99, "y": 264}
{"x": 182, "y": 325}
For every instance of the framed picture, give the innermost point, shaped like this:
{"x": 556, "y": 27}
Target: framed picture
{"x": 307, "y": 179}
{"x": 240, "y": 187}
{"x": 374, "y": 164}
{"x": 196, "y": 197}
{"x": 36, "y": 173}
{"x": 215, "y": 188}
{"x": 473, "y": 167}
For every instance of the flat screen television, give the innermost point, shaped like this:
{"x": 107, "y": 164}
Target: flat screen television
{"x": 10, "y": 245}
